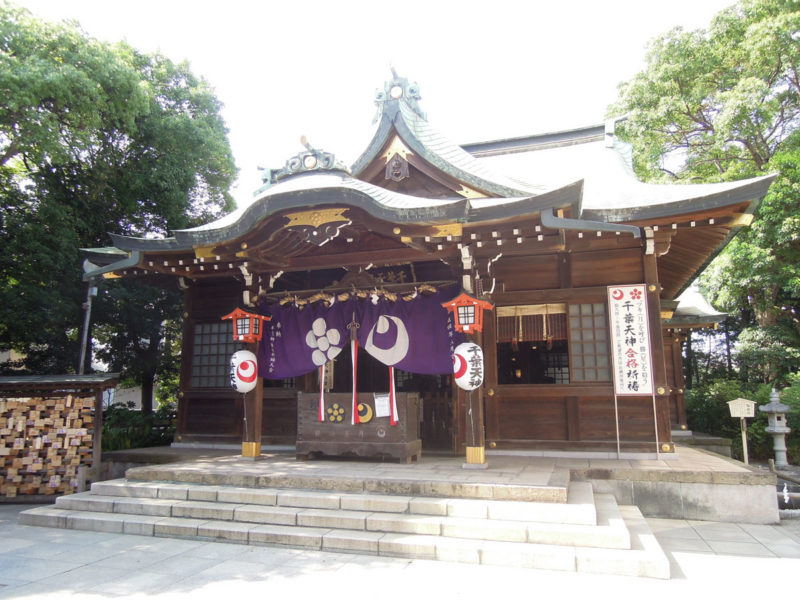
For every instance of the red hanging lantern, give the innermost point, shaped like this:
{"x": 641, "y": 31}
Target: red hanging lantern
{"x": 468, "y": 312}
{"x": 247, "y": 327}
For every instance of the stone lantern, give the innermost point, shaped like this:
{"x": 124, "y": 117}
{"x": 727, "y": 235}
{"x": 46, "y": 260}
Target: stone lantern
{"x": 776, "y": 416}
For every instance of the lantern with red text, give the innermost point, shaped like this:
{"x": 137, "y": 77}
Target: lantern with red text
{"x": 468, "y": 312}
{"x": 247, "y": 327}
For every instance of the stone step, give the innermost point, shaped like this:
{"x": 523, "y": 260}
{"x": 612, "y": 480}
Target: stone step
{"x": 579, "y": 508}
{"x": 645, "y": 558}
{"x": 609, "y": 532}
{"x": 554, "y": 490}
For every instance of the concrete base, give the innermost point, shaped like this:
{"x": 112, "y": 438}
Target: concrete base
{"x": 740, "y": 495}
{"x": 478, "y": 466}
{"x": 703, "y": 441}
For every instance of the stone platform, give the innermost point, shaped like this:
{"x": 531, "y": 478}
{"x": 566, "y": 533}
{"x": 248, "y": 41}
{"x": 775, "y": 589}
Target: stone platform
{"x": 690, "y": 484}
{"x": 537, "y": 519}
{"x": 579, "y": 513}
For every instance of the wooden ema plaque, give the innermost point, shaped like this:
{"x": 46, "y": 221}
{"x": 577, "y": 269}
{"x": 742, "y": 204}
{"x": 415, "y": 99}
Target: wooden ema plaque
{"x": 43, "y": 442}
{"x": 374, "y": 437}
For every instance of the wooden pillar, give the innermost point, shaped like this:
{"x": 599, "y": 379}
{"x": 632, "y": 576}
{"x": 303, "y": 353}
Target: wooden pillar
{"x": 475, "y": 432}
{"x": 662, "y": 389}
{"x": 253, "y": 414}
{"x": 187, "y": 329}
{"x": 475, "y": 413}
{"x": 680, "y": 392}
{"x": 490, "y": 397}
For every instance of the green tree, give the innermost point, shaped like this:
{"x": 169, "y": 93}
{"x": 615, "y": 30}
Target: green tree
{"x": 719, "y": 105}
{"x": 138, "y": 324}
{"x": 95, "y": 138}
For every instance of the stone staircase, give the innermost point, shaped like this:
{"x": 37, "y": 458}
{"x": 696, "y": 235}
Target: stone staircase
{"x": 573, "y": 530}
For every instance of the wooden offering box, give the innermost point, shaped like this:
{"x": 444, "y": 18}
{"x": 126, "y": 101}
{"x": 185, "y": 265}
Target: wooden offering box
{"x": 376, "y": 438}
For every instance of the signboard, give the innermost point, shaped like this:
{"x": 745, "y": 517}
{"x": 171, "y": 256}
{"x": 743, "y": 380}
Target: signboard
{"x": 630, "y": 340}
{"x": 742, "y": 408}
{"x": 383, "y": 407}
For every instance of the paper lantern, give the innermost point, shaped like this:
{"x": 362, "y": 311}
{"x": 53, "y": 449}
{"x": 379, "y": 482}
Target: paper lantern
{"x": 244, "y": 371}
{"x": 468, "y": 366}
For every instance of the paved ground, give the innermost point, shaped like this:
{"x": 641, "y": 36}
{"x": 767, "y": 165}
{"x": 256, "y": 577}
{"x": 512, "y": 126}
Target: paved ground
{"x": 57, "y": 563}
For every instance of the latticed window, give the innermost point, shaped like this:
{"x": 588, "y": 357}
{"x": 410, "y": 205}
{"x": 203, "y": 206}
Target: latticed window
{"x": 466, "y": 315}
{"x": 588, "y": 337}
{"x": 213, "y": 347}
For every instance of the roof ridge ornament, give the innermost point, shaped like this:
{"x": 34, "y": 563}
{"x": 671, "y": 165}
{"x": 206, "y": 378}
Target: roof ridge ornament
{"x": 307, "y": 161}
{"x": 396, "y": 90}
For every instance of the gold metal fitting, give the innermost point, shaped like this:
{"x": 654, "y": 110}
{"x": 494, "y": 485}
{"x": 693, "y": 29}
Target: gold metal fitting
{"x": 476, "y": 455}
{"x": 251, "y": 449}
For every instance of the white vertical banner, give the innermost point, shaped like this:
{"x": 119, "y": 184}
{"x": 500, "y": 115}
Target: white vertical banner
{"x": 630, "y": 340}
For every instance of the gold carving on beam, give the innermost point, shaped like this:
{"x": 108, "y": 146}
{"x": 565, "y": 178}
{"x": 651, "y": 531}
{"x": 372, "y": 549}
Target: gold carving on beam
{"x": 111, "y": 275}
{"x": 741, "y": 220}
{"x": 397, "y": 147}
{"x": 452, "y": 229}
{"x": 667, "y": 314}
{"x": 315, "y": 218}
{"x": 467, "y": 192}
{"x": 204, "y": 252}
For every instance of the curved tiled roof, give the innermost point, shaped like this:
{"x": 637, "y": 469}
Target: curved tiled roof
{"x": 612, "y": 192}
{"x": 401, "y": 115}
{"x": 586, "y": 169}
{"x": 337, "y": 188}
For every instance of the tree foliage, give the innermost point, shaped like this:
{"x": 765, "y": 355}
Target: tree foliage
{"x": 719, "y": 102}
{"x": 95, "y": 138}
{"x": 719, "y": 105}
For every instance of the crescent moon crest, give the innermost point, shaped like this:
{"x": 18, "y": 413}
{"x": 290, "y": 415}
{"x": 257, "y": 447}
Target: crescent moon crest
{"x": 617, "y": 294}
{"x": 459, "y": 365}
{"x": 246, "y": 371}
{"x": 394, "y": 354}
{"x": 365, "y": 413}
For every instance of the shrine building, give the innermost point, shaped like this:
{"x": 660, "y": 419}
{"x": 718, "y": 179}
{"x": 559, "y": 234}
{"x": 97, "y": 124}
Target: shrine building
{"x": 579, "y": 263}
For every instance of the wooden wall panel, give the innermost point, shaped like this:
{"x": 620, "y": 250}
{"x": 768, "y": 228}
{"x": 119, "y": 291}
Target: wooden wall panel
{"x": 532, "y": 419}
{"x": 279, "y": 419}
{"x": 213, "y": 416}
{"x": 635, "y": 419}
{"x": 597, "y": 419}
{"x": 527, "y": 272}
{"x": 569, "y": 414}
{"x": 609, "y": 267}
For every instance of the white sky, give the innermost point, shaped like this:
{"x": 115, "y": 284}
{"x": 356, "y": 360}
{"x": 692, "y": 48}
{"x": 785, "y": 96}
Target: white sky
{"x": 486, "y": 70}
